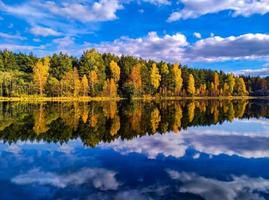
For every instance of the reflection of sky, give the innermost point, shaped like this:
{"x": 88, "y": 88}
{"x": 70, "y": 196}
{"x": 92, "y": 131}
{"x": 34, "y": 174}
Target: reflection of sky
{"x": 227, "y": 161}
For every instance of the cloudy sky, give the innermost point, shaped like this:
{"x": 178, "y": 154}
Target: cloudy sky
{"x": 231, "y": 35}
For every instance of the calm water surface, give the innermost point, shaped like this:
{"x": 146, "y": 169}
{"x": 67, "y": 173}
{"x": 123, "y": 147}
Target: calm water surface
{"x": 135, "y": 150}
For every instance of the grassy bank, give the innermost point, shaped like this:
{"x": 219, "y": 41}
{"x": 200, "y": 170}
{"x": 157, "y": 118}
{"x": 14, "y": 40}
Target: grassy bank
{"x": 145, "y": 98}
{"x": 59, "y": 99}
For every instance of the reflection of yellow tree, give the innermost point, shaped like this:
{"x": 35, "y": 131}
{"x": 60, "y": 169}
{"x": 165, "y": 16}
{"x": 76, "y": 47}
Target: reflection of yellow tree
{"x": 155, "y": 119}
{"x": 241, "y": 109}
{"x": 202, "y": 106}
{"x": 110, "y": 109}
{"x": 85, "y": 113}
{"x": 136, "y": 118}
{"x": 191, "y": 109}
{"x": 230, "y": 112}
{"x": 215, "y": 111}
{"x": 40, "y": 125}
{"x": 93, "y": 120}
{"x": 115, "y": 127}
{"x": 178, "y": 117}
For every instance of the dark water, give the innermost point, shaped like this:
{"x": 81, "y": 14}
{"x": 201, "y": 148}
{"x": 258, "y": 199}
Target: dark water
{"x": 135, "y": 150}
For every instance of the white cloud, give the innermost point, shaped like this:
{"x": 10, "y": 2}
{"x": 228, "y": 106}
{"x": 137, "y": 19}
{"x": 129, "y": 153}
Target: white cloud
{"x": 168, "y": 47}
{"x": 239, "y": 187}
{"x": 15, "y": 47}
{"x": 194, "y": 8}
{"x": 102, "y": 10}
{"x": 247, "y": 46}
{"x": 264, "y": 71}
{"x": 101, "y": 179}
{"x": 44, "y": 31}
{"x": 197, "y": 35}
{"x": 158, "y": 2}
{"x": 64, "y": 42}
{"x": 11, "y": 36}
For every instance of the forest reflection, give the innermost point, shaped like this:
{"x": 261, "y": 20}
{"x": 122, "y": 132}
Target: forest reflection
{"x": 94, "y": 122}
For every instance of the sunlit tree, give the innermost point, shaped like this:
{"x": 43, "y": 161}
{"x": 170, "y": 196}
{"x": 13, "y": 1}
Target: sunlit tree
{"x": 177, "y": 78}
{"x": 191, "y": 85}
{"x": 155, "y": 76}
{"x": 40, "y": 73}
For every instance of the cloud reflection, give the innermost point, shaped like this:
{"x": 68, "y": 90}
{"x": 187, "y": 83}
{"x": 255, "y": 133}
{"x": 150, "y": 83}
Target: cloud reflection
{"x": 229, "y": 139}
{"x": 99, "y": 178}
{"x": 243, "y": 187}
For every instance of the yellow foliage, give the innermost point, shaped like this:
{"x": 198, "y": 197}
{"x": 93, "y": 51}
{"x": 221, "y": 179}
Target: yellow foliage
{"x": 177, "y": 78}
{"x": 155, "y": 119}
{"x": 191, "y": 111}
{"x": 177, "y": 119}
{"x": 93, "y": 121}
{"x": 115, "y": 127}
{"x": 115, "y": 70}
{"x": 155, "y": 76}
{"x": 191, "y": 85}
{"x": 135, "y": 76}
{"x": 40, "y": 73}
{"x": 85, "y": 85}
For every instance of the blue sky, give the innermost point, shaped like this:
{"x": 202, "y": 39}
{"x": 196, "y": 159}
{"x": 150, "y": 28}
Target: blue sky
{"x": 228, "y": 35}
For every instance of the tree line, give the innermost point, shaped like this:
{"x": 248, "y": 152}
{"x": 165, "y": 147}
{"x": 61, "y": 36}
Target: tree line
{"x": 95, "y": 74}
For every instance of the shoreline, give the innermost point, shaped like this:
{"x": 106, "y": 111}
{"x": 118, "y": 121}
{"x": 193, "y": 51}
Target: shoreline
{"x": 88, "y": 99}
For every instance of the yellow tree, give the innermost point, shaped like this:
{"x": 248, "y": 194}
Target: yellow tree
{"x": 216, "y": 83}
{"x": 115, "y": 70}
{"x": 110, "y": 88}
{"x": 40, "y": 73}
{"x": 241, "y": 87}
{"x": 135, "y": 77}
{"x": 93, "y": 81}
{"x": 155, "y": 76}
{"x": 202, "y": 89}
{"x": 177, "y": 78}
{"x": 226, "y": 89}
{"x": 191, "y": 85}
{"x": 85, "y": 85}
{"x": 231, "y": 83}
{"x": 77, "y": 83}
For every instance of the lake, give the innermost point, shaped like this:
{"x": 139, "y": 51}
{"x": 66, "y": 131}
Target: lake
{"x": 204, "y": 149}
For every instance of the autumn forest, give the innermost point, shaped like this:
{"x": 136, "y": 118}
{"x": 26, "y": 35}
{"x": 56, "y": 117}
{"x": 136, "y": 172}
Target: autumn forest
{"x": 107, "y": 75}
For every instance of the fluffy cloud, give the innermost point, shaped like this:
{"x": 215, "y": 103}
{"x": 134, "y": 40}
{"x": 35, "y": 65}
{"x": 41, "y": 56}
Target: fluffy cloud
{"x": 247, "y": 46}
{"x": 102, "y": 10}
{"x": 68, "y": 17}
{"x": 242, "y": 187}
{"x": 168, "y": 47}
{"x": 194, "y": 8}
{"x": 11, "y": 36}
{"x": 158, "y": 2}
{"x": 15, "y": 47}
{"x": 176, "y": 47}
{"x": 44, "y": 31}
{"x": 264, "y": 71}
{"x": 100, "y": 178}
{"x": 197, "y": 35}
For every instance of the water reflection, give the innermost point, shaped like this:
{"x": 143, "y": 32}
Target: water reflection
{"x": 104, "y": 122}
{"x": 138, "y": 150}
